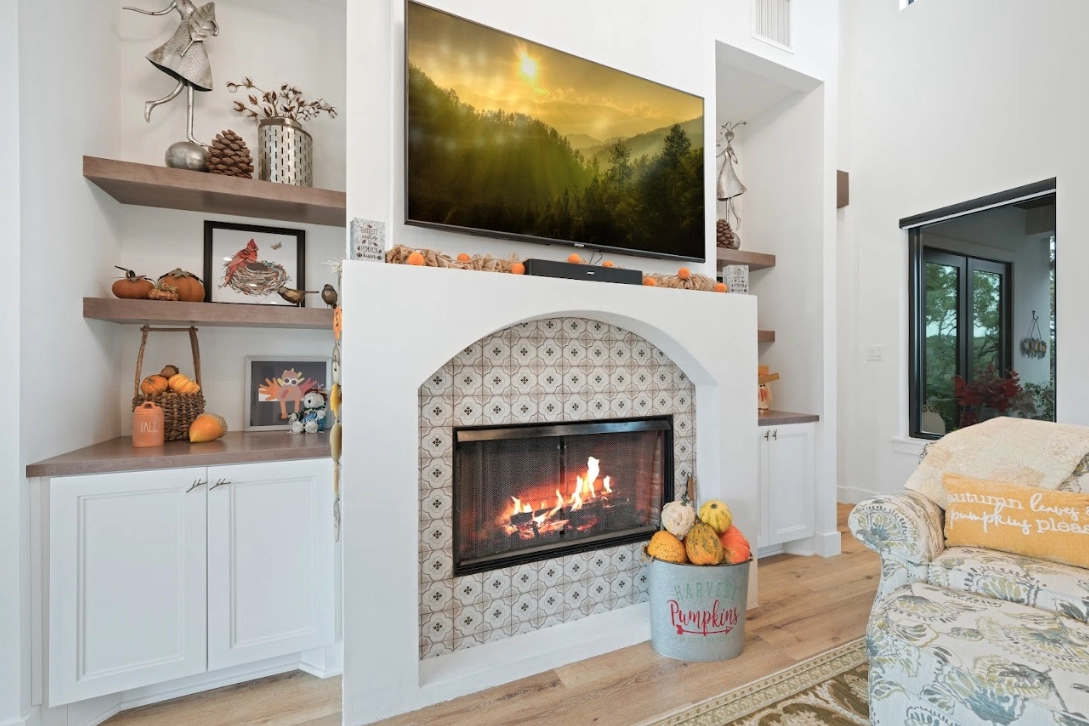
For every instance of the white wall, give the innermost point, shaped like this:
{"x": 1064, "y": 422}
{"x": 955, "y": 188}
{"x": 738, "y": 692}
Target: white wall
{"x": 942, "y": 112}
{"x": 13, "y": 695}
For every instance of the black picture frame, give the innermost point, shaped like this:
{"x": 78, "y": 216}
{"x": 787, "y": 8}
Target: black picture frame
{"x": 211, "y": 276}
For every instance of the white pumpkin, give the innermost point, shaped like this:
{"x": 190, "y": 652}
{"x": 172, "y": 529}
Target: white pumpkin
{"x": 678, "y": 517}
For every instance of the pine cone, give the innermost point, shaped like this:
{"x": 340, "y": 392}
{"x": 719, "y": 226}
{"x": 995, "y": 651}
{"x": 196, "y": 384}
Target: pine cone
{"x": 230, "y": 156}
{"x": 725, "y": 236}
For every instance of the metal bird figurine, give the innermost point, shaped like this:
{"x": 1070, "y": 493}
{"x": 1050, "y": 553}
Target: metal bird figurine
{"x": 329, "y": 295}
{"x": 295, "y": 297}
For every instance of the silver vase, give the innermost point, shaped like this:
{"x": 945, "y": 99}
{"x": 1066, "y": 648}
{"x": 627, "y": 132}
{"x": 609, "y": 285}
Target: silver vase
{"x": 285, "y": 152}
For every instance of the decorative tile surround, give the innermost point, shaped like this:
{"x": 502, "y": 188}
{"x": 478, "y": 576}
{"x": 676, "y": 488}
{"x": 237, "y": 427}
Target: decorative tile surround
{"x": 560, "y": 369}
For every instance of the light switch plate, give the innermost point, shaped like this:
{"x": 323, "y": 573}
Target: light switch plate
{"x": 875, "y": 353}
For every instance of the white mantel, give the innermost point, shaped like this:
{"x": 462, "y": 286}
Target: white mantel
{"x": 402, "y": 324}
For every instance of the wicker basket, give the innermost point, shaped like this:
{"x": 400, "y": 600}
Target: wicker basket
{"x": 179, "y": 409}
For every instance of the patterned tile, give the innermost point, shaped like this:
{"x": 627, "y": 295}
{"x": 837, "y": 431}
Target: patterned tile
{"x": 642, "y": 352}
{"x": 499, "y": 634}
{"x": 621, "y": 585}
{"x": 524, "y": 608}
{"x": 683, "y": 470}
{"x": 550, "y": 352}
{"x": 574, "y": 595}
{"x": 642, "y": 404}
{"x": 495, "y": 351}
{"x": 663, "y": 379}
{"x": 524, "y": 578}
{"x": 575, "y": 408}
{"x": 642, "y": 380}
{"x": 599, "y": 406}
{"x": 467, "y": 590}
{"x": 550, "y": 601}
{"x": 497, "y": 583}
{"x": 436, "y": 442}
{"x": 437, "y": 627}
{"x": 472, "y": 640}
{"x": 594, "y": 608}
{"x": 523, "y": 380}
{"x": 598, "y": 589}
{"x": 436, "y": 536}
{"x": 660, "y": 356}
{"x": 622, "y": 405}
{"x": 549, "y": 408}
{"x": 468, "y": 620}
{"x": 547, "y": 621}
{"x": 570, "y": 616}
{"x": 468, "y": 381}
{"x": 550, "y": 573}
{"x": 682, "y": 424}
{"x": 620, "y": 352}
{"x": 437, "y": 597}
{"x": 524, "y": 409}
{"x": 436, "y": 473}
{"x": 497, "y": 613}
{"x": 683, "y": 449}
{"x": 520, "y": 628}
{"x": 574, "y": 327}
{"x": 598, "y": 562}
{"x": 574, "y": 352}
{"x": 680, "y": 378}
{"x": 439, "y": 383}
{"x": 439, "y": 565}
{"x": 682, "y": 401}
{"x": 436, "y": 411}
{"x": 621, "y": 558}
{"x": 436, "y": 505}
{"x": 520, "y": 331}
{"x": 597, "y": 329}
{"x": 550, "y": 380}
{"x": 497, "y": 380}
{"x": 620, "y": 380}
{"x": 597, "y": 352}
{"x": 497, "y": 410}
{"x": 471, "y": 355}
{"x": 550, "y": 328}
{"x": 663, "y": 404}
{"x": 434, "y": 650}
{"x": 574, "y": 381}
{"x": 576, "y": 566}
{"x": 598, "y": 379}
{"x": 468, "y": 411}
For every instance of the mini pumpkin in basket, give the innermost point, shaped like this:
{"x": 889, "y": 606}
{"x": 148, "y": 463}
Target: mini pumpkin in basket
{"x": 179, "y": 396}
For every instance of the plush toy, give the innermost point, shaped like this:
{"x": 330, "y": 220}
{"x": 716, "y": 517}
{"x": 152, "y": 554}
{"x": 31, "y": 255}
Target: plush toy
{"x": 311, "y": 419}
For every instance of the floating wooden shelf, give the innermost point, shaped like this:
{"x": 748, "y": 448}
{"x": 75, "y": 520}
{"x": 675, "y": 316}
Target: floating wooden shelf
{"x": 765, "y": 336}
{"x": 157, "y": 312}
{"x": 234, "y": 448}
{"x": 755, "y": 260}
{"x": 160, "y": 186}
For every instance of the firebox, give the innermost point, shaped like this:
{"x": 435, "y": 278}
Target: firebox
{"x": 529, "y": 492}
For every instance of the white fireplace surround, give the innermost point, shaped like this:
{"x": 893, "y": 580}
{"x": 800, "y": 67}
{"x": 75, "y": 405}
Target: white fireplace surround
{"x": 406, "y": 323}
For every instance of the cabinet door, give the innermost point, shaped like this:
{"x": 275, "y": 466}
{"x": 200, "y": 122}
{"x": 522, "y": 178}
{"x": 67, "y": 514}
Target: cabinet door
{"x": 270, "y": 560}
{"x": 790, "y": 483}
{"x": 763, "y": 538}
{"x": 127, "y": 581}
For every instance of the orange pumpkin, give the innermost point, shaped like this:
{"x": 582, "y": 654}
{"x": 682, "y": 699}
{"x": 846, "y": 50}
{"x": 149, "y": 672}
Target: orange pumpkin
{"x": 182, "y": 384}
{"x": 464, "y": 257}
{"x": 720, "y": 287}
{"x": 517, "y": 268}
{"x": 664, "y": 546}
{"x": 684, "y": 273}
{"x": 702, "y": 545}
{"x": 132, "y": 286}
{"x": 608, "y": 263}
{"x": 189, "y": 286}
{"x": 153, "y": 384}
{"x": 650, "y": 281}
{"x": 575, "y": 259}
{"x": 207, "y": 427}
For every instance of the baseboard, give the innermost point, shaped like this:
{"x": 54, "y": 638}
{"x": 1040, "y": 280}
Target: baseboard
{"x": 323, "y": 662}
{"x": 31, "y": 719}
{"x": 828, "y": 544}
{"x": 208, "y": 681}
{"x": 853, "y": 495}
{"x": 769, "y": 551}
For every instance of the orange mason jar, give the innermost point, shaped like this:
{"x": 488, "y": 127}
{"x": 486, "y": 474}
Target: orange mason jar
{"x": 147, "y": 425}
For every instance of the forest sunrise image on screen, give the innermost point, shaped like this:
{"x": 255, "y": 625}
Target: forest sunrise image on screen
{"x": 509, "y": 138}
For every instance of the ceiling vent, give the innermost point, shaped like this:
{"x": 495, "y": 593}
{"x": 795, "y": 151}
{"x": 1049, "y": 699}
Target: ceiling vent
{"x": 772, "y": 22}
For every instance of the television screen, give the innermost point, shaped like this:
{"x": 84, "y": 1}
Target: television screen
{"x": 508, "y": 138}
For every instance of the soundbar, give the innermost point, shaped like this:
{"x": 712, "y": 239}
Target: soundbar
{"x": 578, "y": 271}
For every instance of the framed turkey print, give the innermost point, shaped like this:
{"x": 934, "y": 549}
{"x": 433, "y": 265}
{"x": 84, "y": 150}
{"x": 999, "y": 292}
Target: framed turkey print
{"x": 276, "y": 387}
{"x": 245, "y": 263}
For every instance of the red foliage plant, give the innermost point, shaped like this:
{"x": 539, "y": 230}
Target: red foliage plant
{"x": 985, "y": 390}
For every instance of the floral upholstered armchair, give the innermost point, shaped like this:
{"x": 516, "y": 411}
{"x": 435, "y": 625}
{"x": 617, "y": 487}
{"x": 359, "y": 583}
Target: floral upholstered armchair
{"x": 968, "y": 635}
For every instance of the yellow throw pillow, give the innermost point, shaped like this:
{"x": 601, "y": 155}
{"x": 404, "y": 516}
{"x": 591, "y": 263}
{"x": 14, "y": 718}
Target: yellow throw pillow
{"x": 1030, "y": 521}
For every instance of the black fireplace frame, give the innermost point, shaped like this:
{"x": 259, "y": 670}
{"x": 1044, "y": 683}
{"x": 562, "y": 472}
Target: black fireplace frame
{"x": 555, "y": 430}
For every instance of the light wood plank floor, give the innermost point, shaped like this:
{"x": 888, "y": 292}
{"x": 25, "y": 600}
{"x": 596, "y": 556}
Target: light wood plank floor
{"x": 808, "y": 604}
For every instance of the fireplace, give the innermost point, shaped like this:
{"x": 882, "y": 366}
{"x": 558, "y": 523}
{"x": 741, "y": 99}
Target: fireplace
{"x": 529, "y": 492}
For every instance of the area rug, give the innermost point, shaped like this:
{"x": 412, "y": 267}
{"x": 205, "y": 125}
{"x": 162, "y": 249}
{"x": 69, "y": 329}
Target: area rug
{"x": 829, "y": 688}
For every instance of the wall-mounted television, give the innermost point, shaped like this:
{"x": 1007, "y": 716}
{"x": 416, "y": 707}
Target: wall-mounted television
{"x": 511, "y": 139}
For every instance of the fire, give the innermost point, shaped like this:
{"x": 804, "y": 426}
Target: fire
{"x": 522, "y": 519}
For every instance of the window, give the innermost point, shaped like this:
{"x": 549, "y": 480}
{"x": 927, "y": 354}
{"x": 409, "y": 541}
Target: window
{"x": 966, "y": 329}
{"x": 982, "y": 311}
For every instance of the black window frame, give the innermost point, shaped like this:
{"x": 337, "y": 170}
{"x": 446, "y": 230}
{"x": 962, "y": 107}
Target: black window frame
{"x": 915, "y": 225}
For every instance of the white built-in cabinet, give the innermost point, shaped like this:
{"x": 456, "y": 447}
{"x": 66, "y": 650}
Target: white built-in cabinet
{"x": 161, "y": 574}
{"x": 786, "y": 465}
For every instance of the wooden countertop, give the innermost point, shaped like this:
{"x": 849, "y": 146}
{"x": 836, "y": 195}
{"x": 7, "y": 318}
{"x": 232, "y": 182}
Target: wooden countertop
{"x": 234, "y": 448}
{"x": 782, "y": 418}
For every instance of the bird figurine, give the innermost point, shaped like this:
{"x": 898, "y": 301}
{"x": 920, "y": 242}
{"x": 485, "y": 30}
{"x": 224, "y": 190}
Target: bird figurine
{"x": 295, "y": 297}
{"x": 329, "y": 295}
{"x": 244, "y": 256}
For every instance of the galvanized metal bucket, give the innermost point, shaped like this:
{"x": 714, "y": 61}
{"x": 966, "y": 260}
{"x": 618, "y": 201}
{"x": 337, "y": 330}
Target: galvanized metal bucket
{"x": 697, "y": 612}
{"x": 285, "y": 152}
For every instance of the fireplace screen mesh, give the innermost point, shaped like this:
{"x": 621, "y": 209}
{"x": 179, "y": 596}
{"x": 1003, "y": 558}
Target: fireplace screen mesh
{"x": 526, "y": 492}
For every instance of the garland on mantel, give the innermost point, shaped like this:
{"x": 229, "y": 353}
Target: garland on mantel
{"x": 404, "y": 255}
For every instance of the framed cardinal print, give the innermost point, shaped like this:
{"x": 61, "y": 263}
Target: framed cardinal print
{"x": 245, "y": 263}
